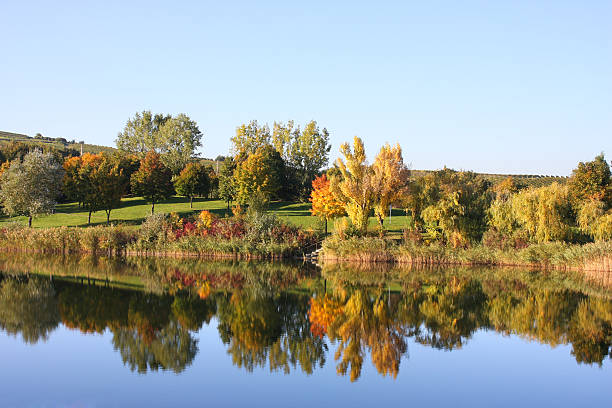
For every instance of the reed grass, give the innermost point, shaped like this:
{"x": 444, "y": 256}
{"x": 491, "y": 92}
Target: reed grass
{"x": 592, "y": 256}
{"x": 119, "y": 240}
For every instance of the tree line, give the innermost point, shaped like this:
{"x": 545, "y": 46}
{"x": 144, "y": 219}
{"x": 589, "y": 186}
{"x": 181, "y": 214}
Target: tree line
{"x": 157, "y": 158}
{"x": 461, "y": 208}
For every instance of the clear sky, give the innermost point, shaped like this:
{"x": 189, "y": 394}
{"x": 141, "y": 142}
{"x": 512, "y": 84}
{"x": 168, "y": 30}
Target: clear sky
{"x": 493, "y": 86}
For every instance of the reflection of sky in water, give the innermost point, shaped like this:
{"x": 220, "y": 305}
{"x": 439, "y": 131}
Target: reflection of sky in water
{"x": 73, "y": 369}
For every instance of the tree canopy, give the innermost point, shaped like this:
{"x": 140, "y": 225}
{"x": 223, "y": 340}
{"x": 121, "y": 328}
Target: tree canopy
{"x": 153, "y": 180}
{"x": 175, "y": 138}
{"x": 31, "y": 187}
{"x": 193, "y": 181}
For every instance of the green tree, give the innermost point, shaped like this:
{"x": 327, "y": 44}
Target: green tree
{"x": 545, "y": 212}
{"x": 193, "y": 181}
{"x": 174, "y": 138}
{"x": 28, "y": 308}
{"x": 451, "y": 204}
{"x": 180, "y": 137}
{"x": 227, "y": 188}
{"x": 249, "y": 138}
{"x": 153, "y": 180}
{"x": 305, "y": 151}
{"x": 31, "y": 187}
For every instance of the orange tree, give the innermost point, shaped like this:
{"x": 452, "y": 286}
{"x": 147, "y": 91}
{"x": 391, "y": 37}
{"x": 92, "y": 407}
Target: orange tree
{"x": 324, "y": 203}
{"x": 153, "y": 180}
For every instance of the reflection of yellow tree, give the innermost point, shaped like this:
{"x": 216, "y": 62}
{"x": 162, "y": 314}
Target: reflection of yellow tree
{"x": 367, "y": 325}
{"x": 323, "y": 311}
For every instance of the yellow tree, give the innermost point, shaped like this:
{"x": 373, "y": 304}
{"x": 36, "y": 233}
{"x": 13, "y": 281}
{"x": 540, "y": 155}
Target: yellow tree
{"x": 324, "y": 204}
{"x": 390, "y": 179}
{"x": 355, "y": 188}
{"x": 262, "y": 173}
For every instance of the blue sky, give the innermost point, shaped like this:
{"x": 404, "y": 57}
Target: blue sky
{"x": 495, "y": 86}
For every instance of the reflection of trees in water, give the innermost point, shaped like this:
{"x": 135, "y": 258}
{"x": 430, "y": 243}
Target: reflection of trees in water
{"x": 367, "y": 323}
{"x": 262, "y": 325}
{"x": 270, "y": 330}
{"x": 450, "y": 313}
{"x": 170, "y": 348}
{"x": 28, "y": 307}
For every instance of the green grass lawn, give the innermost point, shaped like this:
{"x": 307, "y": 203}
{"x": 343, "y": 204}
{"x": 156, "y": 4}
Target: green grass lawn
{"x": 134, "y": 210}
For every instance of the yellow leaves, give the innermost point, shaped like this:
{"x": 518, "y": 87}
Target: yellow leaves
{"x": 323, "y": 312}
{"x": 204, "y": 290}
{"x": 205, "y": 219}
{"x": 362, "y": 186}
{"x": 356, "y": 188}
{"x": 261, "y": 172}
{"x": 390, "y": 179}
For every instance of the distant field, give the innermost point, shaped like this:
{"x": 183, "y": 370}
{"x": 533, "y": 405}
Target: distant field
{"x": 529, "y": 180}
{"x": 134, "y": 210}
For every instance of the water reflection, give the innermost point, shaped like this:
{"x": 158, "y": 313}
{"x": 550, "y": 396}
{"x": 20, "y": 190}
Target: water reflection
{"x": 289, "y": 317}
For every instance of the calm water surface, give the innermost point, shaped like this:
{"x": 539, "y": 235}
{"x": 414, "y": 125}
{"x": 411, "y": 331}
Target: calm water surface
{"x": 158, "y": 333}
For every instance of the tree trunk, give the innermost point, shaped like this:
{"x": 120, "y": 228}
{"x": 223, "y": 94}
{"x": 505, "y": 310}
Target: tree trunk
{"x": 89, "y": 218}
{"x": 191, "y": 202}
{"x": 30, "y": 221}
{"x": 325, "y": 226}
{"x": 153, "y": 207}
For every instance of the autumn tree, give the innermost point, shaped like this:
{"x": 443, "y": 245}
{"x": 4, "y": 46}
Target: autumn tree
{"x": 193, "y": 181}
{"x": 356, "y": 186}
{"x": 73, "y": 184}
{"x": 324, "y": 204}
{"x": 261, "y": 174}
{"x": 153, "y": 180}
{"x": 591, "y": 180}
{"x": 391, "y": 178}
{"x": 108, "y": 184}
{"x": 31, "y": 187}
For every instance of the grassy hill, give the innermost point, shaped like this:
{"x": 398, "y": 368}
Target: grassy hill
{"x": 58, "y": 143}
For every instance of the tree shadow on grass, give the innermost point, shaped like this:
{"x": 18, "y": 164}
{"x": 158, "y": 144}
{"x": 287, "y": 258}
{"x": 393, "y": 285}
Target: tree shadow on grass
{"x": 289, "y": 208}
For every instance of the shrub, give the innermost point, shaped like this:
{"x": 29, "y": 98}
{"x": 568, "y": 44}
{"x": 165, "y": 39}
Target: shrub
{"x": 153, "y": 227}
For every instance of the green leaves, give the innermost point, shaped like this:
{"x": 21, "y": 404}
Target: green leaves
{"x": 193, "y": 181}
{"x": 152, "y": 180}
{"x": 174, "y": 138}
{"x": 31, "y": 187}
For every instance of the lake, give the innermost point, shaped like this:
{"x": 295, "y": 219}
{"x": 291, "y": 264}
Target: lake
{"x": 101, "y": 332}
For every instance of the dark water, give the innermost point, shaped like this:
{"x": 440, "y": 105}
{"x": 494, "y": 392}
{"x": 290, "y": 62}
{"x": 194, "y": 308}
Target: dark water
{"x": 157, "y": 333}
